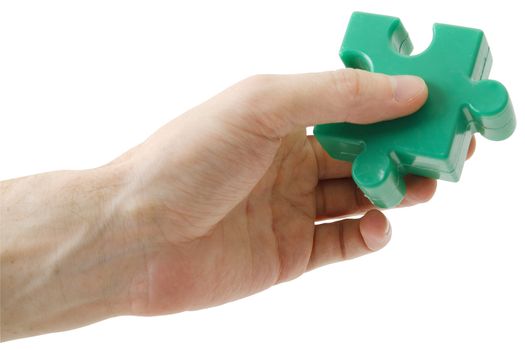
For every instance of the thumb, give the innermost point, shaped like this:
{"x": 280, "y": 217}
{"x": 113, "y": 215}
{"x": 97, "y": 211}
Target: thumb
{"x": 280, "y": 103}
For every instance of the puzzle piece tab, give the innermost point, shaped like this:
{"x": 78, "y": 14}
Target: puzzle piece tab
{"x": 434, "y": 141}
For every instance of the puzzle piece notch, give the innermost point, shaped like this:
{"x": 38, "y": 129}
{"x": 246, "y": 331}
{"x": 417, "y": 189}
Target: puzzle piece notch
{"x": 380, "y": 152}
{"x": 386, "y": 46}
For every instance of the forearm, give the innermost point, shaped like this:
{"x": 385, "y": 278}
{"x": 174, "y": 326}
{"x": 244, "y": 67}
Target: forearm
{"x": 62, "y": 240}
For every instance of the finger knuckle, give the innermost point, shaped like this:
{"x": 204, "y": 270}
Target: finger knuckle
{"x": 258, "y": 101}
{"x": 341, "y": 229}
{"x": 348, "y": 83}
{"x": 256, "y": 87}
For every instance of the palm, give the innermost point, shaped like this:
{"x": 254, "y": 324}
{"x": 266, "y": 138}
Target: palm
{"x": 238, "y": 213}
{"x": 269, "y": 236}
{"x": 265, "y": 239}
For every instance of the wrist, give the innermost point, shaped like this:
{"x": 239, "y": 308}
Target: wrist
{"x": 115, "y": 246}
{"x": 68, "y": 250}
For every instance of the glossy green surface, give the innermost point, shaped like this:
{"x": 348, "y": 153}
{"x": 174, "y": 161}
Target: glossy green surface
{"x": 432, "y": 142}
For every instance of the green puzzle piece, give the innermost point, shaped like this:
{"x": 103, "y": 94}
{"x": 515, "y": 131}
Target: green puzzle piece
{"x": 432, "y": 142}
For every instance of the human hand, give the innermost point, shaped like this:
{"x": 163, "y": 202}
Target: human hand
{"x": 230, "y": 192}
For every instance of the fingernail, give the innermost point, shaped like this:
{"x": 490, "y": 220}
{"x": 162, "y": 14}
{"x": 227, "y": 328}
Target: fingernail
{"x": 377, "y": 242}
{"x": 388, "y": 231}
{"x": 407, "y": 87}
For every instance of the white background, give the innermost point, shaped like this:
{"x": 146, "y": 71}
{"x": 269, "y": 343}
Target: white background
{"x": 82, "y": 81}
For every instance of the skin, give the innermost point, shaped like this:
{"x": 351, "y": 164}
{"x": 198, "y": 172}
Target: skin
{"x": 222, "y": 202}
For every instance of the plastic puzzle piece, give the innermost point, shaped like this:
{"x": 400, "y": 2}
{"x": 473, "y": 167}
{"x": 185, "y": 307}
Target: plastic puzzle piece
{"x": 434, "y": 141}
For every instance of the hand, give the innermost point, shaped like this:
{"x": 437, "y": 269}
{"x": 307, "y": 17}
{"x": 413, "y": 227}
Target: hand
{"x": 230, "y": 192}
{"x": 220, "y": 203}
